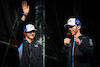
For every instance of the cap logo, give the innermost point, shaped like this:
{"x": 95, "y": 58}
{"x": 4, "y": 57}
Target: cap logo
{"x": 69, "y": 20}
{"x": 31, "y": 27}
{"x": 77, "y": 22}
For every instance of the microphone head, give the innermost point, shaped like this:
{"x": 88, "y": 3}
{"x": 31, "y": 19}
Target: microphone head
{"x": 68, "y": 35}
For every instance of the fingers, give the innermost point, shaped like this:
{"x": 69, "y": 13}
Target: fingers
{"x": 77, "y": 40}
{"x": 24, "y": 3}
{"x": 67, "y": 40}
{"x": 28, "y": 7}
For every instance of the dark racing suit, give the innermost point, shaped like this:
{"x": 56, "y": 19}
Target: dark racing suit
{"x": 83, "y": 54}
{"x": 30, "y": 54}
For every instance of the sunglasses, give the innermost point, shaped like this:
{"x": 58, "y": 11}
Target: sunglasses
{"x": 71, "y": 26}
{"x": 68, "y": 26}
{"x": 33, "y": 31}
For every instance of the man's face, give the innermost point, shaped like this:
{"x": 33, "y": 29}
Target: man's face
{"x": 30, "y": 35}
{"x": 74, "y": 29}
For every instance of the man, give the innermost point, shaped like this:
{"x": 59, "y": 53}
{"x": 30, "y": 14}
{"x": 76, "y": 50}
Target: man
{"x": 78, "y": 48}
{"x": 30, "y": 52}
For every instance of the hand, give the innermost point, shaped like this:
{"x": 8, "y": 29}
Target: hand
{"x": 25, "y": 7}
{"x": 78, "y": 42}
{"x": 67, "y": 41}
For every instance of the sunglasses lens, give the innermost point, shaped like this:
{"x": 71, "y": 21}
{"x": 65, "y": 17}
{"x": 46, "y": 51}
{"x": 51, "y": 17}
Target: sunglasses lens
{"x": 31, "y": 31}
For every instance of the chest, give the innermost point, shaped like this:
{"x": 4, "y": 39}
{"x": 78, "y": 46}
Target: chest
{"x": 31, "y": 50}
{"x": 74, "y": 49}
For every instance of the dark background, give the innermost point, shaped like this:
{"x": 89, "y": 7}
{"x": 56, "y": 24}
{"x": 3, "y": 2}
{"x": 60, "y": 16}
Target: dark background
{"x": 56, "y": 13}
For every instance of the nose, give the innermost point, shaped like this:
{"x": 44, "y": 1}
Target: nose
{"x": 32, "y": 32}
{"x": 70, "y": 29}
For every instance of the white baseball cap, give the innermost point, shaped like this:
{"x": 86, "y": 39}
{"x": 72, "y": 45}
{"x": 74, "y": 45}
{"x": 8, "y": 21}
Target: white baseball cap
{"x": 73, "y": 22}
{"x": 29, "y": 27}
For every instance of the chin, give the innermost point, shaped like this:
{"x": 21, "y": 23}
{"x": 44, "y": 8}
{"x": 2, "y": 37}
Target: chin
{"x": 72, "y": 33}
{"x": 32, "y": 38}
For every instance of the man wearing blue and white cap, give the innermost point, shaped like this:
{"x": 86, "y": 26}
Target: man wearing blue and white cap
{"x": 29, "y": 32}
{"x": 79, "y": 47}
{"x": 30, "y": 52}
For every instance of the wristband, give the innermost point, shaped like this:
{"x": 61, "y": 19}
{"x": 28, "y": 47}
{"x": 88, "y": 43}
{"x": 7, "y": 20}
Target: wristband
{"x": 68, "y": 44}
{"x": 24, "y": 14}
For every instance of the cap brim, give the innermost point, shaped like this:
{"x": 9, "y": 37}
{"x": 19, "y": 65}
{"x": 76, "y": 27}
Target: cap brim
{"x": 32, "y": 30}
{"x": 67, "y": 25}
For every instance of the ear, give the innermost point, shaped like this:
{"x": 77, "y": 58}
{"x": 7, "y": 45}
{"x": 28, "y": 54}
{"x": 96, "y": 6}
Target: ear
{"x": 79, "y": 27}
{"x": 24, "y": 33}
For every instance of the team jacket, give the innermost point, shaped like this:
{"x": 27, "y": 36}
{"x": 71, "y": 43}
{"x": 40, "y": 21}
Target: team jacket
{"x": 30, "y": 54}
{"x": 83, "y": 54}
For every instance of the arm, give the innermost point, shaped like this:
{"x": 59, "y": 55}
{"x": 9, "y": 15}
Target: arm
{"x": 20, "y": 51}
{"x": 22, "y": 21}
{"x": 66, "y": 44}
{"x": 86, "y": 46}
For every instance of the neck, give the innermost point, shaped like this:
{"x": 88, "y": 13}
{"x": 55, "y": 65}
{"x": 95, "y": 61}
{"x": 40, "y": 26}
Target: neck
{"x": 29, "y": 40}
{"x": 78, "y": 34}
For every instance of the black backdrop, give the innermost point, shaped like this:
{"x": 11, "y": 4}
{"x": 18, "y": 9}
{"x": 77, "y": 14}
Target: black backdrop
{"x": 56, "y": 12}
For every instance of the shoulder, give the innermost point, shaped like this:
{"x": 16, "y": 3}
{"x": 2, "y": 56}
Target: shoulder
{"x": 20, "y": 47}
{"x": 37, "y": 44}
{"x": 85, "y": 37}
{"x": 88, "y": 39}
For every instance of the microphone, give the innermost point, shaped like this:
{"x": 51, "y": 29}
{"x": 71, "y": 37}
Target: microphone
{"x": 69, "y": 35}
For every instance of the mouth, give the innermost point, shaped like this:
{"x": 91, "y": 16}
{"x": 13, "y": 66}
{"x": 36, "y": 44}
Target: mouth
{"x": 32, "y": 35}
{"x": 70, "y": 31}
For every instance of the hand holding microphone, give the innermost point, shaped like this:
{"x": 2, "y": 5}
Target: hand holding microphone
{"x": 67, "y": 38}
{"x": 67, "y": 41}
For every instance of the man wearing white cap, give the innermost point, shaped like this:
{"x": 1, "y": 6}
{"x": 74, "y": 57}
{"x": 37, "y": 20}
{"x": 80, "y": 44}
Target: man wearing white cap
{"x": 30, "y": 52}
{"x": 79, "y": 47}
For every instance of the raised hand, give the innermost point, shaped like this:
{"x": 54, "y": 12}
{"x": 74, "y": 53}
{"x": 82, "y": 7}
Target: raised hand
{"x": 25, "y": 7}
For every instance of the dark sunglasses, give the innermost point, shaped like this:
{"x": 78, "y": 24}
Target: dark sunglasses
{"x": 68, "y": 26}
{"x": 33, "y": 31}
{"x": 71, "y": 26}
